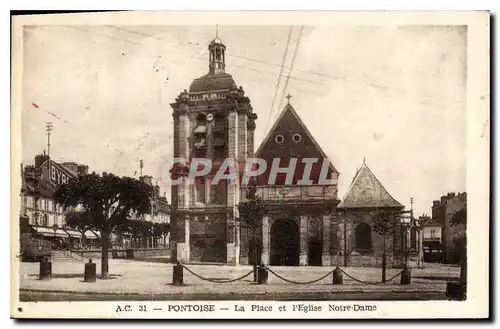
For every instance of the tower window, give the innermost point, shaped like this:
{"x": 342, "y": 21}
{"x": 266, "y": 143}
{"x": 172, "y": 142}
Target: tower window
{"x": 219, "y": 144}
{"x": 296, "y": 138}
{"x": 218, "y": 193}
{"x": 279, "y": 139}
{"x": 200, "y": 190}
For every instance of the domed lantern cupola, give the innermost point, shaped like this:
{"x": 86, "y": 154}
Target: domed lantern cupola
{"x": 217, "y": 53}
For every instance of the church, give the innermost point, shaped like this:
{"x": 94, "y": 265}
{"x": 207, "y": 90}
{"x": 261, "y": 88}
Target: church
{"x": 306, "y": 224}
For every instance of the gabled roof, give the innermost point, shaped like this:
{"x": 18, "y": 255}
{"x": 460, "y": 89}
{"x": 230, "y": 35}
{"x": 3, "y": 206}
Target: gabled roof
{"x": 286, "y": 109}
{"x": 59, "y": 166}
{"x": 366, "y": 191}
{"x": 431, "y": 222}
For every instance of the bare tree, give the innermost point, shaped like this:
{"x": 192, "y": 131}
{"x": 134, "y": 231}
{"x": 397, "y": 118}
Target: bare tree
{"x": 252, "y": 212}
{"x": 384, "y": 222}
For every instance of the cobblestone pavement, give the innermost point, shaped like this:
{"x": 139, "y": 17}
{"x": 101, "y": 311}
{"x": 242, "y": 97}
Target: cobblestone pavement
{"x": 150, "y": 279}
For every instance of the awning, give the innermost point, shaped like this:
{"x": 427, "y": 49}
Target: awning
{"x": 49, "y": 232}
{"x": 61, "y": 233}
{"x": 91, "y": 235}
{"x": 74, "y": 234}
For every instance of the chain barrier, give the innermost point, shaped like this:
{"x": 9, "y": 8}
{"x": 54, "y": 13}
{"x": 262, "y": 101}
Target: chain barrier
{"x": 288, "y": 280}
{"x": 367, "y": 282}
{"x": 217, "y": 280}
{"x": 299, "y": 282}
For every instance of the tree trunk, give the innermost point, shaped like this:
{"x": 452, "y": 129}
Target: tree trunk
{"x": 255, "y": 257}
{"x": 105, "y": 254}
{"x": 384, "y": 262}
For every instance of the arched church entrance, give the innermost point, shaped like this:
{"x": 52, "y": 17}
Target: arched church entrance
{"x": 284, "y": 243}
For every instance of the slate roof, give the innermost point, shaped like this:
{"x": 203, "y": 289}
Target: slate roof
{"x": 366, "y": 191}
{"x": 289, "y": 109}
{"x": 432, "y": 222}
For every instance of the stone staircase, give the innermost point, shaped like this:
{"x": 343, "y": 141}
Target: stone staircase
{"x": 65, "y": 255}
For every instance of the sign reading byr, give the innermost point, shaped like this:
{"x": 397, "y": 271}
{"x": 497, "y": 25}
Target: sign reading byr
{"x": 57, "y": 175}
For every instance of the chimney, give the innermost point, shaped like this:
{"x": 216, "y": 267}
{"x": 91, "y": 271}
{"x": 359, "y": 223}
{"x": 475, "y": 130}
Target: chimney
{"x": 435, "y": 203}
{"x": 451, "y": 195}
{"x": 71, "y": 166}
{"x": 83, "y": 170}
{"x": 40, "y": 158}
{"x": 443, "y": 198}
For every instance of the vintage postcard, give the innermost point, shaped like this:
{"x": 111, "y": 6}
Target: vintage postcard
{"x": 271, "y": 165}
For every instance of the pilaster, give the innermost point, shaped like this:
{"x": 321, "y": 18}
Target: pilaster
{"x": 182, "y": 245}
{"x": 265, "y": 241}
{"x": 326, "y": 254}
{"x": 230, "y": 247}
{"x": 303, "y": 240}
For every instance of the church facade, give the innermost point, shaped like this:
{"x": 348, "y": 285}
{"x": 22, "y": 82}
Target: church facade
{"x": 306, "y": 224}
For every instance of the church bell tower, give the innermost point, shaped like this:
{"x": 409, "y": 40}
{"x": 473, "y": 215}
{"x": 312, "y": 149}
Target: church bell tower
{"x": 213, "y": 120}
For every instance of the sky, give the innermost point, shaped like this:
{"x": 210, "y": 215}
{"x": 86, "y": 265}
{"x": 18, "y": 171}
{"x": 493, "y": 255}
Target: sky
{"x": 394, "y": 96}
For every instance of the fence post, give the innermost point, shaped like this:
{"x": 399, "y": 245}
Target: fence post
{"x": 406, "y": 276}
{"x": 45, "y": 269}
{"x": 90, "y": 272}
{"x": 262, "y": 274}
{"x": 337, "y": 276}
{"x": 178, "y": 275}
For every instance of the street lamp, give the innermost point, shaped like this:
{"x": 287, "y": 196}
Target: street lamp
{"x": 406, "y": 274}
{"x": 405, "y": 222}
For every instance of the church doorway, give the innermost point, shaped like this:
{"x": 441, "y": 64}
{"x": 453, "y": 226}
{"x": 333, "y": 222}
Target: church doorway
{"x": 284, "y": 243}
{"x": 314, "y": 252}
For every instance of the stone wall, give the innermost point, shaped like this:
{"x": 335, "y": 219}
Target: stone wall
{"x": 123, "y": 253}
{"x": 352, "y": 256}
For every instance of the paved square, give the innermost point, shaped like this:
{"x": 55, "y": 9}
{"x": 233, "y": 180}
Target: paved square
{"x": 152, "y": 280}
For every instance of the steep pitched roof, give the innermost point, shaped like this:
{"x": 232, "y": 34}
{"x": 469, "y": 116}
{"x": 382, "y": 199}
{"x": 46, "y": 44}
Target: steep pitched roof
{"x": 289, "y": 109}
{"x": 366, "y": 191}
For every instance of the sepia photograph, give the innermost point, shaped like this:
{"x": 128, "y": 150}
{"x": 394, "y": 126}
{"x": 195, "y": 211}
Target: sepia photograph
{"x": 250, "y": 165}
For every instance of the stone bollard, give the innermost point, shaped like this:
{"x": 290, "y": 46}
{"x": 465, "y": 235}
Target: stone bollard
{"x": 337, "y": 276}
{"x": 90, "y": 272}
{"x": 178, "y": 275}
{"x": 45, "y": 269}
{"x": 262, "y": 274}
{"x": 406, "y": 277}
{"x": 456, "y": 291}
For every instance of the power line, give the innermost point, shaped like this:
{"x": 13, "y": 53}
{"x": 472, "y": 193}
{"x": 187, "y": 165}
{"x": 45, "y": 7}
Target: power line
{"x": 291, "y": 66}
{"x": 271, "y": 110}
{"x": 273, "y": 64}
{"x": 328, "y": 76}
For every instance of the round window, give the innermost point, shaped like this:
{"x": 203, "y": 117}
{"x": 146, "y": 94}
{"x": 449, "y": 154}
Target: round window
{"x": 279, "y": 139}
{"x": 296, "y": 138}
